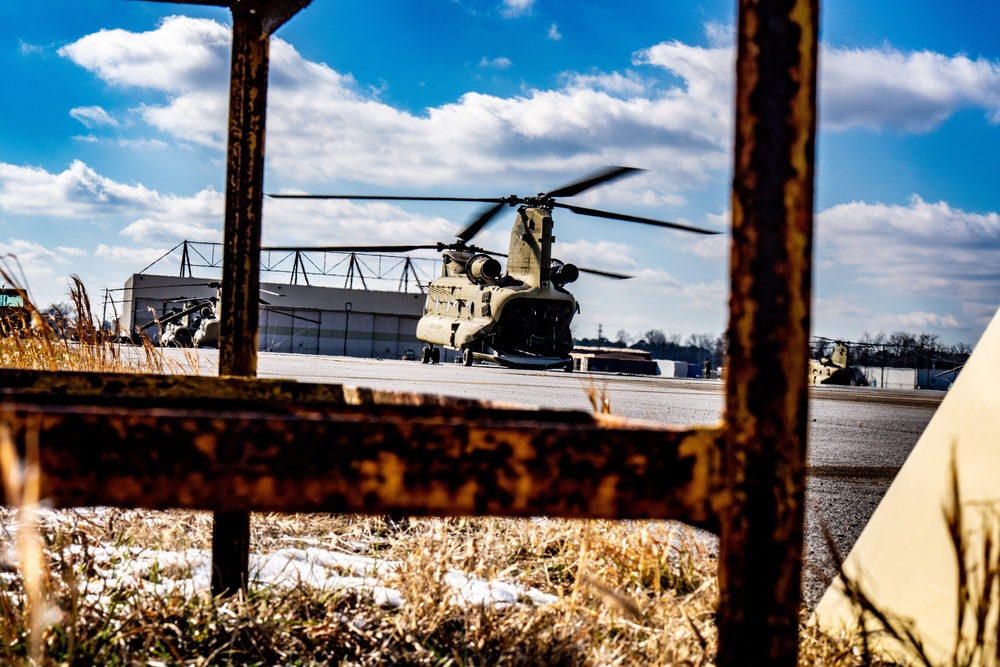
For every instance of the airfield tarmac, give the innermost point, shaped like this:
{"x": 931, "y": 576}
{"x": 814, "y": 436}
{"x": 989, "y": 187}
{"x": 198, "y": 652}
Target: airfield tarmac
{"x": 859, "y": 437}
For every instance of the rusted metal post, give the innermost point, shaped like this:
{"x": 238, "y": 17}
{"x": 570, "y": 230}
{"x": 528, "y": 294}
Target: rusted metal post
{"x": 244, "y": 199}
{"x": 239, "y": 300}
{"x": 767, "y": 392}
{"x": 245, "y": 445}
{"x": 240, "y": 261}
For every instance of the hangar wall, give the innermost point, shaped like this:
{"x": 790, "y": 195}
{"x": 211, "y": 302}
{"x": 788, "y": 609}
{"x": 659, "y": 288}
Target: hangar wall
{"x": 299, "y": 319}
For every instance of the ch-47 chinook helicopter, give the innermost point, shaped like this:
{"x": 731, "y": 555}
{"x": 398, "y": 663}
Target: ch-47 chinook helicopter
{"x": 194, "y": 324}
{"x": 197, "y": 322}
{"x": 835, "y": 369}
{"x": 518, "y": 315}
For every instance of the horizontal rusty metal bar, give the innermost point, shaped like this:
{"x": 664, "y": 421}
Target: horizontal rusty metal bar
{"x": 174, "y": 389}
{"x": 123, "y": 443}
{"x": 275, "y": 12}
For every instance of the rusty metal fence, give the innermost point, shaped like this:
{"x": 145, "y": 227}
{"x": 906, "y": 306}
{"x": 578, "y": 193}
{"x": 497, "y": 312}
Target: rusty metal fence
{"x": 236, "y": 444}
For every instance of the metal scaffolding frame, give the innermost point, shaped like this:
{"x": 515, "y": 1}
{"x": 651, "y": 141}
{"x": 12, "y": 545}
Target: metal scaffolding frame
{"x": 301, "y": 263}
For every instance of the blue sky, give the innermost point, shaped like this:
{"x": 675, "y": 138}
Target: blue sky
{"x": 113, "y": 116}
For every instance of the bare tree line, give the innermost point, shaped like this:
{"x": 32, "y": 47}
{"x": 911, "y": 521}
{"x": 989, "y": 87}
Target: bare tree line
{"x": 902, "y": 349}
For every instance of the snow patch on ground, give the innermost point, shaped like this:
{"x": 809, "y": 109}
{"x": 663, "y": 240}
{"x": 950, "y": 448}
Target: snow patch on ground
{"x": 188, "y": 573}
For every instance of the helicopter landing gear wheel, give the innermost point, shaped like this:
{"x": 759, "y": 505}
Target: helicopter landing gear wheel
{"x": 435, "y": 355}
{"x": 425, "y": 355}
{"x": 568, "y": 367}
{"x": 467, "y": 356}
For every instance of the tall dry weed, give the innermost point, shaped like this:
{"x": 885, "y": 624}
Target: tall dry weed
{"x": 77, "y": 341}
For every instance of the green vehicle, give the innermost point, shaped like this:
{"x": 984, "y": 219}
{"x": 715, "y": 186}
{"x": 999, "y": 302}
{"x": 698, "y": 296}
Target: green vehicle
{"x": 15, "y": 319}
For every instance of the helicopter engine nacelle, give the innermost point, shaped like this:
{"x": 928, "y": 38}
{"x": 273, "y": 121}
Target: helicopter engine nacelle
{"x": 564, "y": 273}
{"x": 483, "y": 269}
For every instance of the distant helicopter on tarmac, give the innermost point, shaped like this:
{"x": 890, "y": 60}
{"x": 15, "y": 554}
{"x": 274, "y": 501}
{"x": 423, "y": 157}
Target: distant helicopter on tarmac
{"x": 516, "y": 315}
{"x": 836, "y": 368}
{"x": 196, "y": 323}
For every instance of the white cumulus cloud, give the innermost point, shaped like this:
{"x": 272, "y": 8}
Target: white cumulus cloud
{"x": 516, "y": 8}
{"x": 915, "y": 92}
{"x": 93, "y": 116}
{"x": 921, "y": 247}
{"x": 77, "y": 192}
{"x": 874, "y": 88}
{"x": 321, "y": 128}
{"x": 500, "y": 62}
{"x": 182, "y": 54}
{"x": 80, "y": 193}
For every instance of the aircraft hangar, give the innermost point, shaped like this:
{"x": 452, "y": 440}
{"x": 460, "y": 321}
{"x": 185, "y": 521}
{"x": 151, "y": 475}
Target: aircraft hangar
{"x": 300, "y": 319}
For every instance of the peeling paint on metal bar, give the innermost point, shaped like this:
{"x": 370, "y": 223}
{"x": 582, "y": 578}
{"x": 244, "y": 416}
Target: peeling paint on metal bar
{"x": 403, "y": 456}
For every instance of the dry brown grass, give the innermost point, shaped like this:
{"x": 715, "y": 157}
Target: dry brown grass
{"x": 629, "y": 593}
{"x": 626, "y": 593}
{"x": 74, "y": 342}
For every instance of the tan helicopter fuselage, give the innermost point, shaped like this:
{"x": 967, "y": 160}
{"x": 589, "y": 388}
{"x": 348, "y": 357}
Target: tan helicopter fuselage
{"x": 836, "y": 369}
{"x": 520, "y": 317}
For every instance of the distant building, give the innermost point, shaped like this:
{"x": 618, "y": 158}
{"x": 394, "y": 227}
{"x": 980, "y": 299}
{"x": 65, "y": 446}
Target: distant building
{"x": 675, "y": 369}
{"x": 910, "y": 378}
{"x": 300, "y": 319}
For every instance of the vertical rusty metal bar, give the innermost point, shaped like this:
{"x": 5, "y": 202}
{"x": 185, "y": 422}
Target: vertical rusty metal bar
{"x": 244, "y": 197}
{"x": 767, "y": 392}
{"x": 253, "y": 23}
{"x": 241, "y": 259}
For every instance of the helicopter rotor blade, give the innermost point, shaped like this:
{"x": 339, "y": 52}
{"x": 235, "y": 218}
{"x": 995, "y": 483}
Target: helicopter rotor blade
{"x": 287, "y": 312}
{"x": 439, "y": 246}
{"x": 597, "y": 272}
{"x": 486, "y": 252}
{"x": 167, "y": 319}
{"x": 606, "y": 274}
{"x": 633, "y": 218}
{"x": 358, "y": 248}
{"x": 484, "y": 217}
{"x": 471, "y": 230}
{"x": 487, "y": 200}
{"x": 605, "y": 175}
